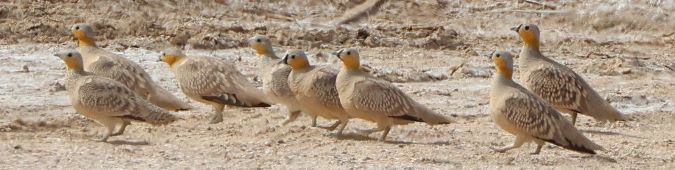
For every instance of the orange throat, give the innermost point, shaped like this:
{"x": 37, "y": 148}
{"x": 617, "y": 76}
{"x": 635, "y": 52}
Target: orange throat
{"x": 175, "y": 60}
{"x": 530, "y": 40}
{"x": 351, "y": 64}
{"x": 83, "y": 39}
{"x": 299, "y": 65}
{"x": 504, "y": 71}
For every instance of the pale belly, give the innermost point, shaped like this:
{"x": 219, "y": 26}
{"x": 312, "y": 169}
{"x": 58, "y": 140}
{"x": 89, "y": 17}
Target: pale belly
{"x": 505, "y": 124}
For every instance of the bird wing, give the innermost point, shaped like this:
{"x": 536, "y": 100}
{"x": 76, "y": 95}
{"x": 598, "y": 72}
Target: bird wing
{"x": 217, "y": 81}
{"x": 118, "y": 68}
{"x": 381, "y": 97}
{"x": 107, "y": 96}
{"x": 560, "y": 88}
{"x": 322, "y": 87}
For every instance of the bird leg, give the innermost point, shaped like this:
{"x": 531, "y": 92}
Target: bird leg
{"x": 331, "y": 127}
{"x": 342, "y": 126}
{"x": 519, "y": 142}
{"x": 109, "y": 128}
{"x": 314, "y": 121}
{"x": 384, "y": 134}
{"x": 217, "y": 115}
{"x": 574, "y": 118}
{"x": 292, "y": 116}
{"x": 539, "y": 145}
{"x": 125, "y": 123}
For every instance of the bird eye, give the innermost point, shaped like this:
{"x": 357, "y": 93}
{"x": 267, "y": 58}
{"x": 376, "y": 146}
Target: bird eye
{"x": 497, "y": 55}
{"x": 77, "y": 27}
{"x": 527, "y": 27}
{"x": 258, "y": 40}
{"x": 292, "y": 56}
{"x": 70, "y": 54}
{"x": 349, "y": 53}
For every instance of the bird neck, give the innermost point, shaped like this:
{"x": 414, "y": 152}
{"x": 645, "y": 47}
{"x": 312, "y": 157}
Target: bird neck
{"x": 503, "y": 70}
{"x": 297, "y": 66}
{"x": 86, "y": 41}
{"x": 174, "y": 61}
{"x": 530, "y": 41}
{"x": 73, "y": 68}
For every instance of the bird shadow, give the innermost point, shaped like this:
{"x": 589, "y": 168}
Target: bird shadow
{"x": 128, "y": 142}
{"x": 610, "y": 133}
{"x": 363, "y": 137}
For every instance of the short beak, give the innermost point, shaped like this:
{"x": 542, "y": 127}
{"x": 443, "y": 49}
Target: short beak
{"x": 159, "y": 59}
{"x": 337, "y": 54}
{"x": 285, "y": 60}
{"x": 516, "y": 28}
{"x": 490, "y": 56}
{"x": 56, "y": 55}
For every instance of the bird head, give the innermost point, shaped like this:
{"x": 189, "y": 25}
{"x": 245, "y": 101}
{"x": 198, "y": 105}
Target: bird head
{"x": 261, "y": 44}
{"x": 297, "y": 59}
{"x": 84, "y": 34}
{"x": 529, "y": 33}
{"x": 503, "y": 63}
{"x": 171, "y": 56}
{"x": 349, "y": 57}
{"x": 72, "y": 59}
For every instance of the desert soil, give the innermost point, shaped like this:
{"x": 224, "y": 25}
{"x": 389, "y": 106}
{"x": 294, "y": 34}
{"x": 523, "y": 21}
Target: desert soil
{"x": 434, "y": 50}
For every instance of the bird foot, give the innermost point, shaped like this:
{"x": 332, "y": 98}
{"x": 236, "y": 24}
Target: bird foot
{"x": 216, "y": 119}
{"x": 500, "y": 150}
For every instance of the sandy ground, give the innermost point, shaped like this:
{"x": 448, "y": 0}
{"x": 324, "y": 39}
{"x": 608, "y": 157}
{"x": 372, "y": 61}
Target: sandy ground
{"x": 433, "y": 50}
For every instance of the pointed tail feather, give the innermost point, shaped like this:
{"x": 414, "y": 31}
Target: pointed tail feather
{"x": 573, "y": 139}
{"x": 151, "y": 114}
{"x": 431, "y": 117}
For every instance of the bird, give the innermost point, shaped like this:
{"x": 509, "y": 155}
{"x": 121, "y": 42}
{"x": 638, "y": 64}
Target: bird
{"x": 274, "y": 74}
{"x": 314, "y": 87}
{"x": 557, "y": 84}
{"x": 527, "y": 116}
{"x": 366, "y": 97}
{"x": 106, "y": 101}
{"x": 213, "y": 82}
{"x": 117, "y": 67}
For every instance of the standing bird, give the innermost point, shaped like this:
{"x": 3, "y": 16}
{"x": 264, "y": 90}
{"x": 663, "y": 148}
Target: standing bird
{"x": 527, "y": 116}
{"x": 119, "y": 68}
{"x": 212, "y": 81}
{"x": 561, "y": 87}
{"x": 106, "y": 101}
{"x": 274, "y": 74}
{"x": 314, "y": 87}
{"x": 366, "y": 97}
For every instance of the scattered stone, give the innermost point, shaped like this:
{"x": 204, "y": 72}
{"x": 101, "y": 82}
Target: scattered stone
{"x": 624, "y": 70}
{"x": 436, "y": 75}
{"x": 468, "y": 71}
{"x": 56, "y": 87}
{"x": 18, "y": 147}
{"x": 24, "y": 68}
